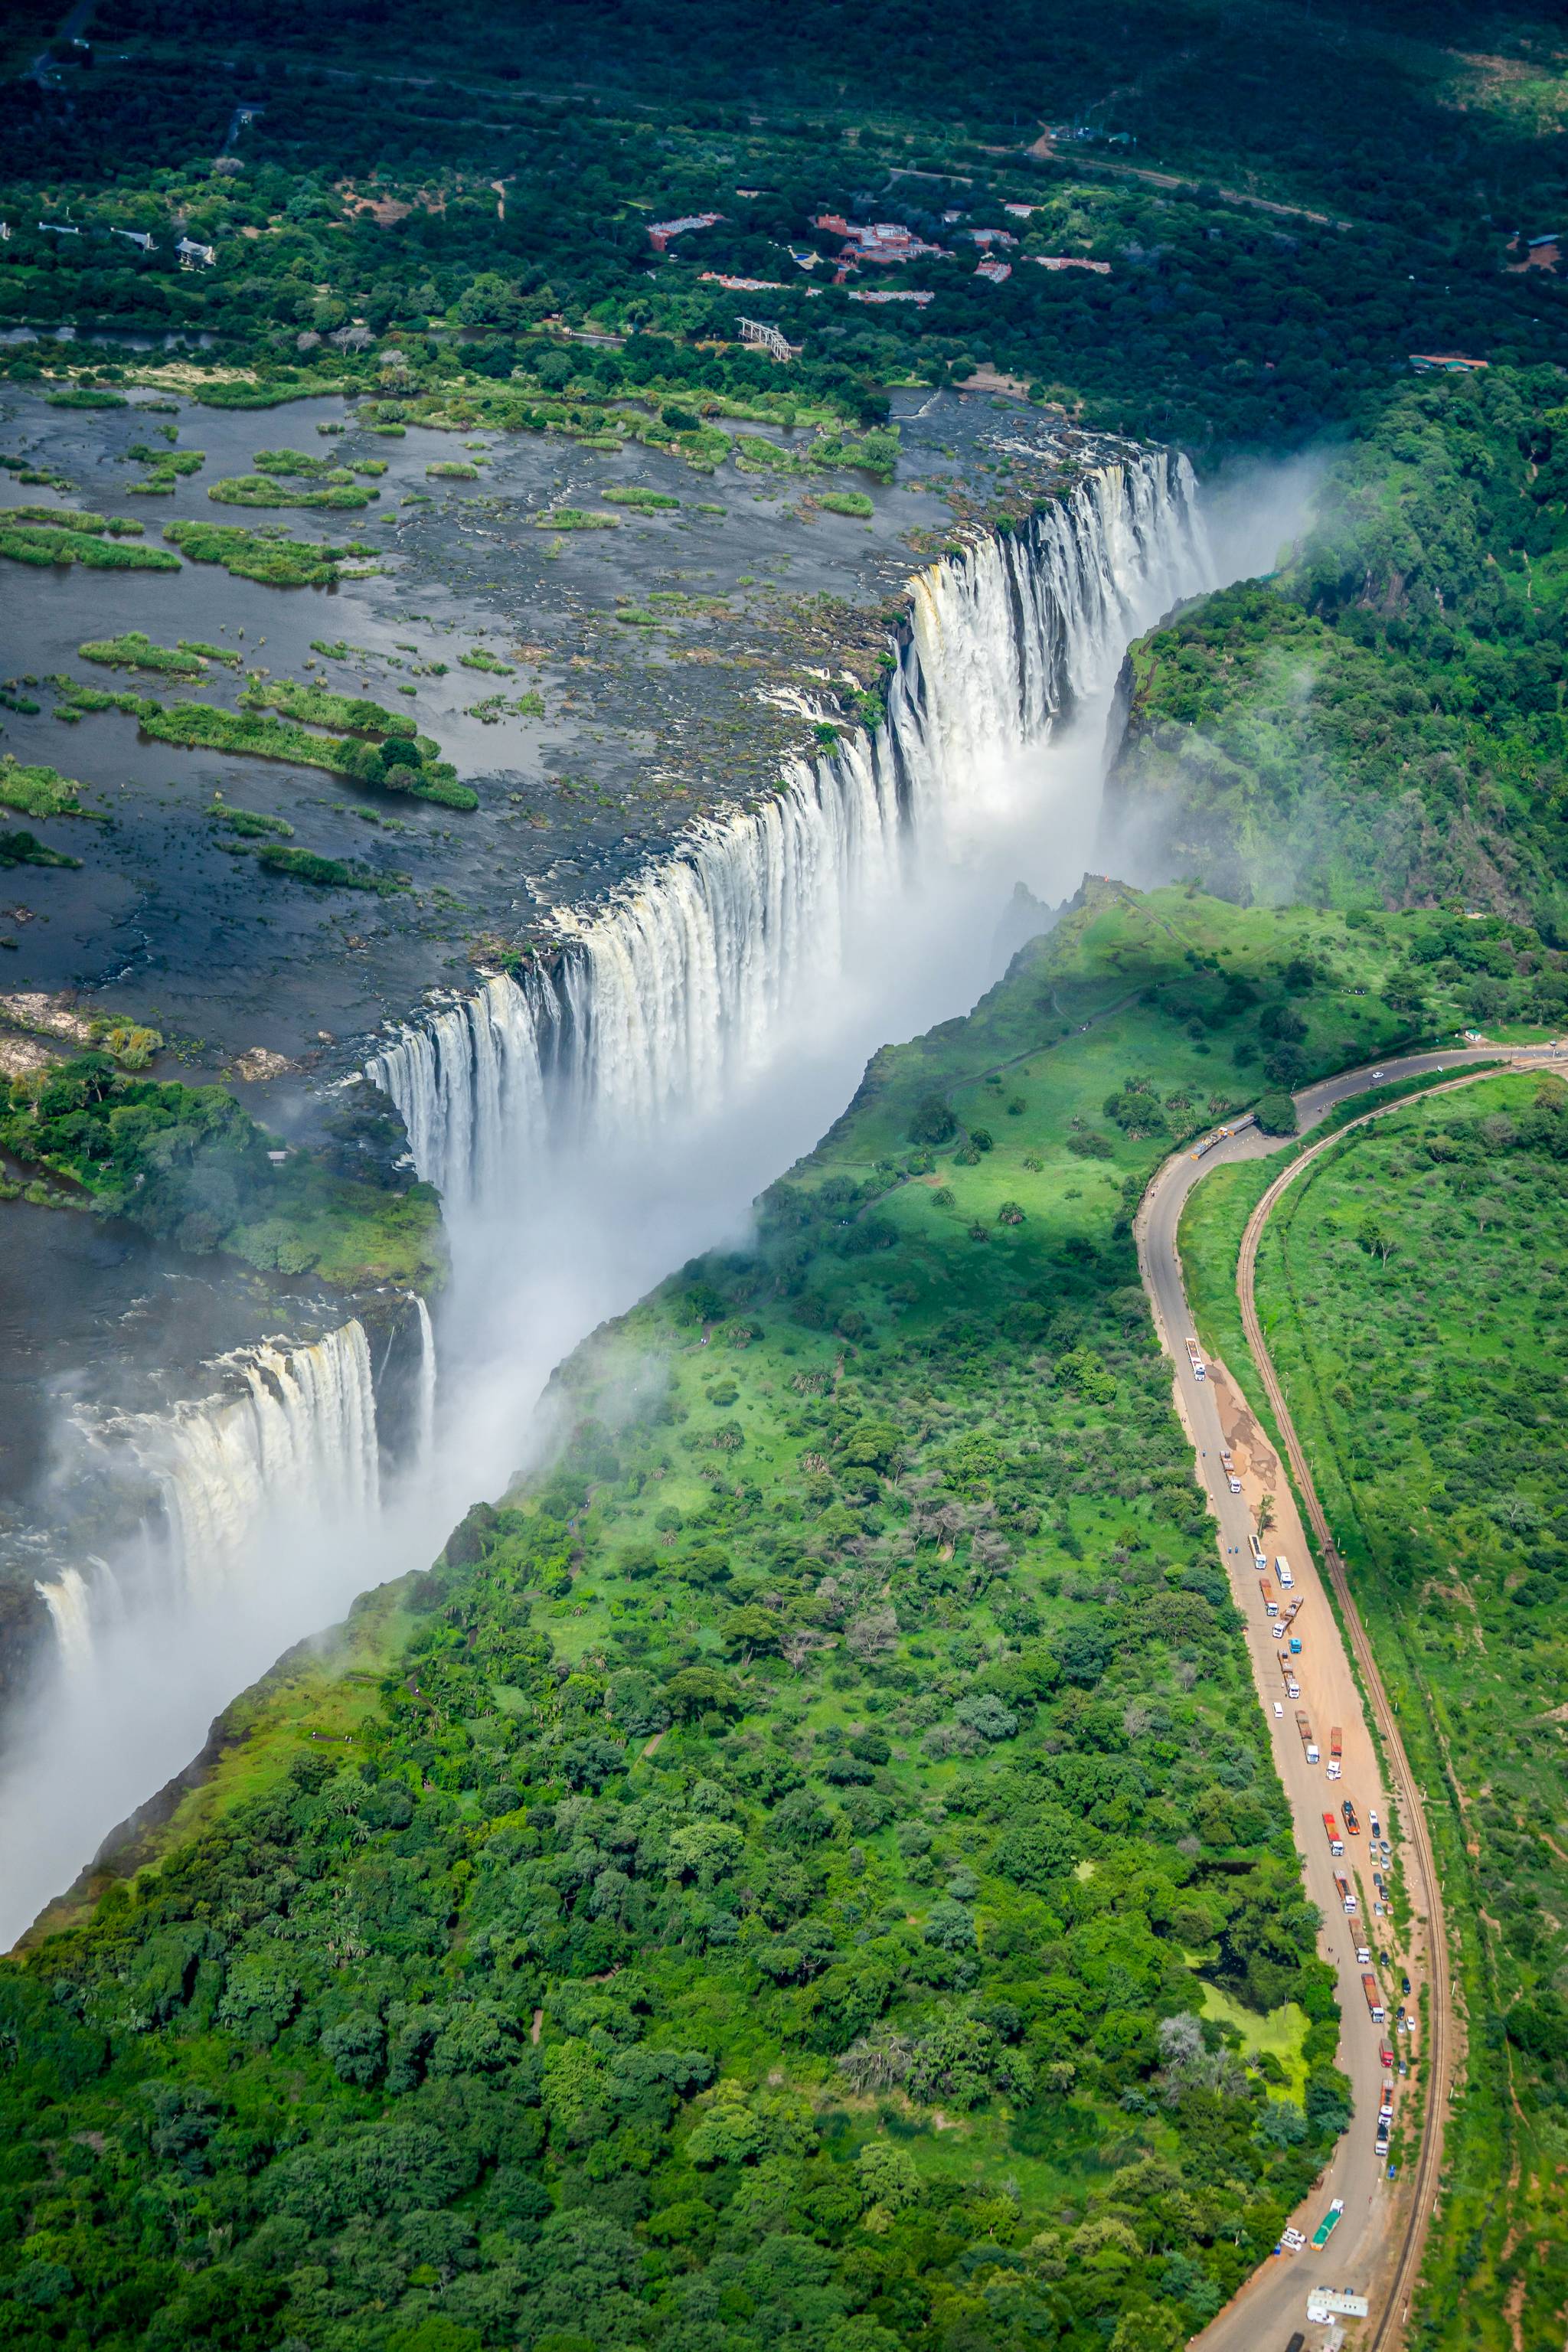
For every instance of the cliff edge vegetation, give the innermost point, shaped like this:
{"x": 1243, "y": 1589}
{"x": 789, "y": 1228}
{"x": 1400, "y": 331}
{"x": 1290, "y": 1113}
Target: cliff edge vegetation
{"x": 190, "y": 1166}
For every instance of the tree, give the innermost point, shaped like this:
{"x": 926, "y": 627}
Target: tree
{"x": 701, "y": 1690}
{"x": 932, "y": 1122}
{"x": 1375, "y": 1238}
{"x": 1276, "y": 1114}
{"x": 888, "y": 2175}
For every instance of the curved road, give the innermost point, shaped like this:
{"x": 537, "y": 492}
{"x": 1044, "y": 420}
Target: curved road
{"x": 1376, "y": 2248}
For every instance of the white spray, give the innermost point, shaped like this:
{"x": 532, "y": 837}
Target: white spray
{"x": 593, "y": 1127}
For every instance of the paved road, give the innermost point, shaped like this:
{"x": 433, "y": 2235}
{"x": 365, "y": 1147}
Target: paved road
{"x": 1376, "y": 2245}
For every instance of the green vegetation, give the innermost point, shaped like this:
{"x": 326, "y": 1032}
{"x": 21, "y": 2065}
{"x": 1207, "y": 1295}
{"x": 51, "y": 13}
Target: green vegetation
{"x": 320, "y": 708}
{"x": 76, "y": 519}
{"x": 37, "y": 792}
{"x": 266, "y": 490}
{"x": 844, "y": 502}
{"x": 636, "y": 494}
{"x": 83, "y": 396}
{"x": 1396, "y": 170}
{"x": 405, "y": 761}
{"x": 165, "y": 470}
{"x": 269, "y": 554}
{"x": 819, "y": 1833}
{"x": 189, "y": 1166}
{"x": 225, "y": 654}
{"x": 134, "y": 650}
{"x": 75, "y": 542}
{"x": 23, "y": 848}
{"x": 1412, "y": 1287}
{"x": 248, "y": 824}
{"x": 1384, "y": 718}
{"x": 301, "y": 462}
{"x": 477, "y": 658}
{"x": 572, "y": 518}
{"x": 330, "y": 873}
{"x": 451, "y": 470}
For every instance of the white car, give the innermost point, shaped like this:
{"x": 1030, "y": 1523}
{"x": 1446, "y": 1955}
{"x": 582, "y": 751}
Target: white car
{"x": 1380, "y": 1074}
{"x": 1279, "y": 1711}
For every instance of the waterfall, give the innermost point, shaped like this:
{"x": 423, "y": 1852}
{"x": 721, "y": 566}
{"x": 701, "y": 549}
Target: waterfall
{"x": 424, "y": 1426}
{"x": 674, "y": 988}
{"x": 301, "y": 1434}
{"x": 70, "y": 1612}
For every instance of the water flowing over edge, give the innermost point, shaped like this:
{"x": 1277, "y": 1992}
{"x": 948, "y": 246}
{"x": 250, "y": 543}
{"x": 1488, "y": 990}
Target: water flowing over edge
{"x": 660, "y": 1000}
{"x": 302, "y": 1428}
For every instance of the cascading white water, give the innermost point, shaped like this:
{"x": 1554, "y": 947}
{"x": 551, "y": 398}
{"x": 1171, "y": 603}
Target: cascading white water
{"x": 425, "y": 1400}
{"x": 69, "y": 1605}
{"x": 593, "y": 1126}
{"x": 302, "y": 1433}
{"x": 305, "y": 1429}
{"x": 678, "y": 987}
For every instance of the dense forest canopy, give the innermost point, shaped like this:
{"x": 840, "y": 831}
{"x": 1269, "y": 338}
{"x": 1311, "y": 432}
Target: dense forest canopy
{"x": 513, "y": 186}
{"x": 808, "y": 1866}
{"x": 1385, "y": 717}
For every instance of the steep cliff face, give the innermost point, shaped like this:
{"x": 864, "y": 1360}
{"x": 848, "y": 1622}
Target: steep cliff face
{"x": 677, "y": 986}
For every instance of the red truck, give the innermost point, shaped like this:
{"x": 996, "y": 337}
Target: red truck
{"x": 1373, "y": 1999}
{"x": 1336, "y": 1843}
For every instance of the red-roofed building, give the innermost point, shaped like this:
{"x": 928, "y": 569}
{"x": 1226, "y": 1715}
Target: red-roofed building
{"x": 661, "y": 232}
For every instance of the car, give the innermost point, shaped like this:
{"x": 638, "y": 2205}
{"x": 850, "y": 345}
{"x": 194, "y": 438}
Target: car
{"x": 1372, "y": 1823}
{"x": 1380, "y": 1074}
{"x": 1405, "y": 1985}
{"x": 1385, "y": 2056}
{"x": 1280, "y": 1710}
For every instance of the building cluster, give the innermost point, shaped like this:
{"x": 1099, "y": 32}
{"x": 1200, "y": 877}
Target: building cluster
{"x": 996, "y": 272}
{"x": 890, "y": 294}
{"x": 885, "y": 243}
{"x": 1071, "y": 261}
{"x": 661, "y": 232}
{"x": 742, "y": 285}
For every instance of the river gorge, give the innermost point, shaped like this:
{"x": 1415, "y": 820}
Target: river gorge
{"x": 593, "y": 1108}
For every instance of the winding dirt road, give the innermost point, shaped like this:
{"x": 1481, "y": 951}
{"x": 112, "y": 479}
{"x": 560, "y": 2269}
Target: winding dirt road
{"x": 1377, "y": 2247}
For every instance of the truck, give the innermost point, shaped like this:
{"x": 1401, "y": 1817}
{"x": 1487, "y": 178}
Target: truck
{"x": 1308, "y": 1742}
{"x": 1345, "y": 1891}
{"x": 1194, "y": 1358}
{"x": 1271, "y": 1606}
{"x": 1373, "y": 1998}
{"x": 1293, "y": 1687}
{"x": 1336, "y": 1843}
{"x": 1334, "y": 1766}
{"x": 1327, "y": 2226}
{"x": 1352, "y": 1823}
{"x": 1259, "y": 1557}
{"x": 1283, "y": 1568}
